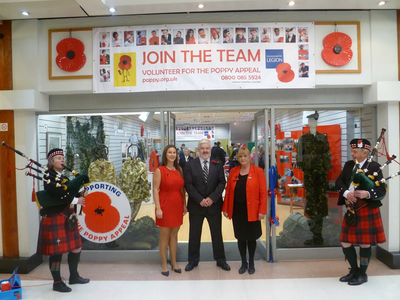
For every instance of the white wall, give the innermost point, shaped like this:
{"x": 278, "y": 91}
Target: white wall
{"x": 132, "y": 125}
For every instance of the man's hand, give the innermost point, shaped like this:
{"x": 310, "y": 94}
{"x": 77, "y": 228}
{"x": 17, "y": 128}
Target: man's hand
{"x": 203, "y": 203}
{"x": 261, "y": 216}
{"x": 351, "y": 197}
{"x": 361, "y": 194}
{"x": 209, "y": 201}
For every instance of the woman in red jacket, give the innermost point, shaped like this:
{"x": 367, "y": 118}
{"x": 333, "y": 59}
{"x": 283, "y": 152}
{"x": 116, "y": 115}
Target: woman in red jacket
{"x": 246, "y": 204}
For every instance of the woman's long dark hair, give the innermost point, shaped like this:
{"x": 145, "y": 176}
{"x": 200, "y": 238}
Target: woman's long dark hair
{"x": 164, "y": 159}
{"x": 188, "y": 34}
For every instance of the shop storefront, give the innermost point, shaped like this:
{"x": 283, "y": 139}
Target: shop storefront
{"x": 71, "y": 114}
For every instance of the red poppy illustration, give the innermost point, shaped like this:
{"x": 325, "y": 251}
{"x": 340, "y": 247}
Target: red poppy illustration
{"x": 285, "y": 72}
{"x": 100, "y": 215}
{"x": 337, "y": 50}
{"x": 125, "y": 64}
{"x": 70, "y": 56}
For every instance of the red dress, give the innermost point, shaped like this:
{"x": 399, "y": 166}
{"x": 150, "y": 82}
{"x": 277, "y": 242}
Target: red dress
{"x": 171, "y": 198}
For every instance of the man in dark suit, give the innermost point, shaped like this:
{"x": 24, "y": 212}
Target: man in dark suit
{"x": 365, "y": 202}
{"x": 204, "y": 183}
{"x": 185, "y": 159}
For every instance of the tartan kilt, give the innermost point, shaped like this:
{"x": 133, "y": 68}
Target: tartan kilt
{"x": 54, "y": 236}
{"x": 368, "y": 230}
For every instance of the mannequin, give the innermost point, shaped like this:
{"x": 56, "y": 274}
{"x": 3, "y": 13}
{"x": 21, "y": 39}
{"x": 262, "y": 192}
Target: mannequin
{"x": 312, "y": 122}
{"x": 314, "y": 159}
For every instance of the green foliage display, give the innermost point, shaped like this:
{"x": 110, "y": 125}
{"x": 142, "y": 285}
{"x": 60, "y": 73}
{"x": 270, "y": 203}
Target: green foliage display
{"x": 84, "y": 138}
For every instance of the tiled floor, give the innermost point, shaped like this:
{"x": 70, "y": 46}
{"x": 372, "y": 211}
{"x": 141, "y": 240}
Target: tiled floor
{"x": 279, "y": 280}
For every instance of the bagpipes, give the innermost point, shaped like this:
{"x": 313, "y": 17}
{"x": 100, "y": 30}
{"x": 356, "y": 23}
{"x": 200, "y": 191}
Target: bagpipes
{"x": 68, "y": 188}
{"x": 364, "y": 181}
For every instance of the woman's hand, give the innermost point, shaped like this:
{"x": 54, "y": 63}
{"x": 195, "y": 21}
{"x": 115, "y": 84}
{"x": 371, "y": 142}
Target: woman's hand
{"x": 159, "y": 213}
{"x": 85, "y": 193}
{"x": 226, "y": 215}
{"x": 184, "y": 210}
{"x": 81, "y": 200}
{"x": 261, "y": 216}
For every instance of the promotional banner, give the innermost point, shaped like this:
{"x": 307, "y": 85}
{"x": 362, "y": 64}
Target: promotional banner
{"x": 106, "y": 214}
{"x": 184, "y": 133}
{"x": 203, "y": 57}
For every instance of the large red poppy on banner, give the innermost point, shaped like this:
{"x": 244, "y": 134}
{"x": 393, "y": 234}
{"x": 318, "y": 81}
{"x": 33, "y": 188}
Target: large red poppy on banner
{"x": 70, "y": 56}
{"x": 337, "y": 50}
{"x": 125, "y": 62}
{"x": 285, "y": 72}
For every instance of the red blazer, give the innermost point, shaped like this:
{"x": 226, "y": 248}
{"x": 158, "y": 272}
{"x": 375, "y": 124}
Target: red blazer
{"x": 256, "y": 192}
{"x": 154, "y": 161}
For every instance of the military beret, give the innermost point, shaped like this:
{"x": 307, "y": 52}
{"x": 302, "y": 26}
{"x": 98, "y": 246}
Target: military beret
{"x": 313, "y": 116}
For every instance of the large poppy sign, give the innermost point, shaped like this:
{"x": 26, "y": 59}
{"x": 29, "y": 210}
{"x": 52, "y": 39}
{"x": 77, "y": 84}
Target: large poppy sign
{"x": 203, "y": 57}
{"x": 106, "y": 214}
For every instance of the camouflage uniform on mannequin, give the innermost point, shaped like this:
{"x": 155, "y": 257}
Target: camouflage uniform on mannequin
{"x": 314, "y": 159}
{"x": 134, "y": 183}
{"x": 102, "y": 170}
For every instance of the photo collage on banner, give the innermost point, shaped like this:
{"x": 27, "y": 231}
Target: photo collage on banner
{"x": 203, "y": 57}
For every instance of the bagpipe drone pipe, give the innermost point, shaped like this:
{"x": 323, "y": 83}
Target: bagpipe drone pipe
{"x": 65, "y": 190}
{"x": 364, "y": 181}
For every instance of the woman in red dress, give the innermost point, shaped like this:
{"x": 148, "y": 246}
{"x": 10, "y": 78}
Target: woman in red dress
{"x": 170, "y": 203}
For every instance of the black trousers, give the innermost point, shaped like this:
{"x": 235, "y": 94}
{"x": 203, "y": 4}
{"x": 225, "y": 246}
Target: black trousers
{"x": 196, "y": 225}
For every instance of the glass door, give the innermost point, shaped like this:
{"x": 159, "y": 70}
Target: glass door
{"x": 170, "y": 128}
{"x": 261, "y": 159}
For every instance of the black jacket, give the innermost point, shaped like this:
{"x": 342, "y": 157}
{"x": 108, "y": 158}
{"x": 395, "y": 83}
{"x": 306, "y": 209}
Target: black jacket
{"x": 198, "y": 190}
{"x": 343, "y": 183}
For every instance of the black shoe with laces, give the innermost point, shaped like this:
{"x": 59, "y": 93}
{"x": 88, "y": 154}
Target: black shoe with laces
{"x": 359, "y": 279}
{"x": 78, "y": 279}
{"x": 61, "y": 287}
{"x": 352, "y": 274}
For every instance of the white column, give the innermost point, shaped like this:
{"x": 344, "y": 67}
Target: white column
{"x": 388, "y": 117}
{"x": 28, "y": 214}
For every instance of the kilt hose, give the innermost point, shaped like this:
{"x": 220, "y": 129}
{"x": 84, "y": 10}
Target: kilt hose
{"x": 368, "y": 230}
{"x": 54, "y": 236}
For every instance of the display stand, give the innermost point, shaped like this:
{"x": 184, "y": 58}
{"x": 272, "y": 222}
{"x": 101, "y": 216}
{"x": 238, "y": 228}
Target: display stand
{"x": 291, "y": 190}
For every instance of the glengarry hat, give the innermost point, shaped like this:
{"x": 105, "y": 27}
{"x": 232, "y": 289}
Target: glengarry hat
{"x": 54, "y": 152}
{"x": 360, "y": 144}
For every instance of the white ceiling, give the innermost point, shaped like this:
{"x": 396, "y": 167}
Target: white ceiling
{"x": 39, "y": 9}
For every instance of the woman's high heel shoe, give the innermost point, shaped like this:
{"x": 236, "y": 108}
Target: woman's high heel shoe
{"x": 177, "y": 270}
{"x": 165, "y": 273}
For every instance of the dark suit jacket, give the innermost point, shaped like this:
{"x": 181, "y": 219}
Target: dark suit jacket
{"x": 182, "y": 162}
{"x": 198, "y": 190}
{"x": 343, "y": 182}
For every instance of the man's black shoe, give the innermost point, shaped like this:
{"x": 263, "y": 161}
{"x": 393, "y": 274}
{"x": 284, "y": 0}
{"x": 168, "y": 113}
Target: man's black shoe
{"x": 79, "y": 280}
{"x": 224, "y": 266}
{"x": 360, "y": 279}
{"x": 348, "y": 277}
{"x": 190, "y": 267}
{"x": 61, "y": 287}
